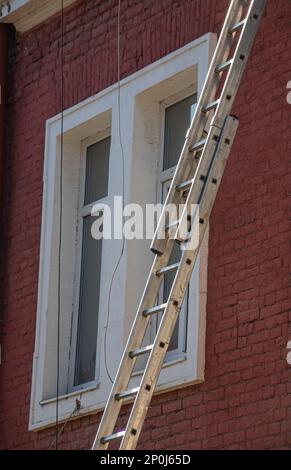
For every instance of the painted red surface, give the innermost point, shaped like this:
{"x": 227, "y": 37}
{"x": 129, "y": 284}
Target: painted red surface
{"x": 245, "y": 402}
{"x": 4, "y": 40}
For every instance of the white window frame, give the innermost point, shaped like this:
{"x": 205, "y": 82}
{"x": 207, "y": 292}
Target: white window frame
{"x": 85, "y": 210}
{"x": 141, "y": 95}
{"x": 164, "y": 181}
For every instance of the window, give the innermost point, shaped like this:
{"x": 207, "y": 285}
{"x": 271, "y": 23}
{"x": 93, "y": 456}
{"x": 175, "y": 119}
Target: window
{"x": 95, "y": 189}
{"x": 176, "y": 119}
{"x": 156, "y": 104}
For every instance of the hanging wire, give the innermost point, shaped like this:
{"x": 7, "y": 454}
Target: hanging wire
{"x": 123, "y": 166}
{"x": 57, "y": 434}
{"x": 57, "y": 431}
{"x": 61, "y": 430}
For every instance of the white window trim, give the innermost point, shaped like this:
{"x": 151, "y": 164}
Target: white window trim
{"x": 80, "y": 122}
{"x": 84, "y": 210}
{"x": 175, "y": 354}
{"x": 164, "y": 181}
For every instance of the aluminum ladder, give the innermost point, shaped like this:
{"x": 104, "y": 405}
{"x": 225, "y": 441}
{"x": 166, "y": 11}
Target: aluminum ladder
{"x": 196, "y": 181}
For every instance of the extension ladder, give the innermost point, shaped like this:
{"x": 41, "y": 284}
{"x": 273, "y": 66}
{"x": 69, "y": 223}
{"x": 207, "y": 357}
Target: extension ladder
{"x": 196, "y": 181}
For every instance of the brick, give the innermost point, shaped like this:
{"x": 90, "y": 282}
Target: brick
{"x": 244, "y": 402}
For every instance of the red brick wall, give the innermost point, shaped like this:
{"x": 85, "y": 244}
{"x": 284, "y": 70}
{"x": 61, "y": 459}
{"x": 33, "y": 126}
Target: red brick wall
{"x": 245, "y": 402}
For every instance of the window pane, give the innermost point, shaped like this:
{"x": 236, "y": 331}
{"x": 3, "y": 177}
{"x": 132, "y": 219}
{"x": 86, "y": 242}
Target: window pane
{"x": 174, "y": 344}
{"x": 168, "y": 282}
{"x": 165, "y": 292}
{"x": 97, "y": 169}
{"x": 177, "y": 122}
{"x": 88, "y": 305}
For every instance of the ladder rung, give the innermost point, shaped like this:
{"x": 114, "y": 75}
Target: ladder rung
{"x": 152, "y": 311}
{"x": 199, "y": 145}
{"x": 184, "y": 186}
{"x": 167, "y": 269}
{"x": 226, "y": 65}
{"x": 237, "y": 26}
{"x": 112, "y": 437}
{"x": 210, "y": 106}
{"x": 141, "y": 351}
{"x": 127, "y": 394}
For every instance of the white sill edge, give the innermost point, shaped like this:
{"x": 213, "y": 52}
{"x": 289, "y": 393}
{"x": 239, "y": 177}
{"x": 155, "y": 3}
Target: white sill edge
{"x": 71, "y": 394}
{"x": 180, "y": 358}
{"x": 92, "y": 410}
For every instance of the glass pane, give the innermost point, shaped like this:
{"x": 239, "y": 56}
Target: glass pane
{"x": 168, "y": 282}
{"x": 177, "y": 121}
{"x": 97, "y": 169}
{"x": 88, "y": 305}
{"x": 165, "y": 291}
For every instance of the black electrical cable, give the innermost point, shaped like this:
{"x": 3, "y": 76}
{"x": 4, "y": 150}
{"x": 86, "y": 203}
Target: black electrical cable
{"x": 123, "y": 166}
{"x": 60, "y": 224}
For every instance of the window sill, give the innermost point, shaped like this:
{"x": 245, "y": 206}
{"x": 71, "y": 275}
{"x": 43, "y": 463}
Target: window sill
{"x": 171, "y": 362}
{"x": 79, "y": 392}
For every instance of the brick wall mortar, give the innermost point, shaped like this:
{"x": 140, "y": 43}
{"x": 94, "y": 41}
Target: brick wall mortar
{"x": 245, "y": 402}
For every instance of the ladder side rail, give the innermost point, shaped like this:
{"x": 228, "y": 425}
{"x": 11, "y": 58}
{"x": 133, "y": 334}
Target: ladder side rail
{"x": 200, "y": 118}
{"x": 229, "y": 91}
{"x": 241, "y": 56}
{"x": 113, "y": 406}
{"x": 124, "y": 372}
{"x": 216, "y": 149}
{"x": 168, "y": 321}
